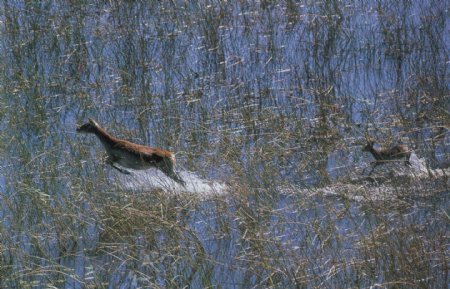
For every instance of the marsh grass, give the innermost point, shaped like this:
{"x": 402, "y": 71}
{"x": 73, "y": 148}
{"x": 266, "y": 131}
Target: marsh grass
{"x": 270, "y": 100}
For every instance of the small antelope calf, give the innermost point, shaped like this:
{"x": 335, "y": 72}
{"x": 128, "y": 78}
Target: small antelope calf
{"x": 131, "y": 155}
{"x": 383, "y": 156}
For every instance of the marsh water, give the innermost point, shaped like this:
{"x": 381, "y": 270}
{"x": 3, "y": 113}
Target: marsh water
{"x": 265, "y": 103}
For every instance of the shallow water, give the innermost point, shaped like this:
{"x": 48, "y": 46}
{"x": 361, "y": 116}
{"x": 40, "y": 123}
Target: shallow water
{"x": 267, "y": 106}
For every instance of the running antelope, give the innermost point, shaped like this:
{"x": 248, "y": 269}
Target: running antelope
{"x": 131, "y": 155}
{"x": 383, "y": 156}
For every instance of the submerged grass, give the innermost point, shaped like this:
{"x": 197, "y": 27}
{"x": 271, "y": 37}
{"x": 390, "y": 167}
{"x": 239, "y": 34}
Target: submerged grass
{"x": 273, "y": 99}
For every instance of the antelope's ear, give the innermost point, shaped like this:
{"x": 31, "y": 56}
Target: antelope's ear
{"x": 93, "y": 122}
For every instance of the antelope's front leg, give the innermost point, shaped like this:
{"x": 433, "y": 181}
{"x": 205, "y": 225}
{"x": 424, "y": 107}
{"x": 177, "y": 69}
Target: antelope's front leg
{"x": 110, "y": 161}
{"x": 372, "y": 166}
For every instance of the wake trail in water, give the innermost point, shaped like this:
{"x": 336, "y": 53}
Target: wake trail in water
{"x": 154, "y": 179}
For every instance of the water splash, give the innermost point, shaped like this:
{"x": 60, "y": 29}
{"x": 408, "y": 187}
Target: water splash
{"x": 154, "y": 179}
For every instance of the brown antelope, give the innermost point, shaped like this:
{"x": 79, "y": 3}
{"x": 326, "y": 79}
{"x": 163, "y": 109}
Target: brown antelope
{"x": 131, "y": 155}
{"x": 383, "y": 156}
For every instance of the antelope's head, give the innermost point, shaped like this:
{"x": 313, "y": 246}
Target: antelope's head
{"x": 90, "y": 127}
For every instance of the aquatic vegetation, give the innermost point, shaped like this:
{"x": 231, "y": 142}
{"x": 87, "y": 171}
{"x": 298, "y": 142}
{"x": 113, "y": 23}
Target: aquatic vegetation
{"x": 267, "y": 104}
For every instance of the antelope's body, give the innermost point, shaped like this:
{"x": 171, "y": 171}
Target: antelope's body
{"x": 131, "y": 155}
{"x": 383, "y": 156}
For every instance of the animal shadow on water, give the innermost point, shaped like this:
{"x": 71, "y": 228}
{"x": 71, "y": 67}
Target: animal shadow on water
{"x": 130, "y": 155}
{"x": 384, "y": 156}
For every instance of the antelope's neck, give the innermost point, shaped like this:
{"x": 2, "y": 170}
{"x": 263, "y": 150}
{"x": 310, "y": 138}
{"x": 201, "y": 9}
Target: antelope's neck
{"x": 107, "y": 140}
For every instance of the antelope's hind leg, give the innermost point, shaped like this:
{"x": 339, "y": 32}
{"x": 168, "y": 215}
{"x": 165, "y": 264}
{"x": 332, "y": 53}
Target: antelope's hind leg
{"x": 167, "y": 168}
